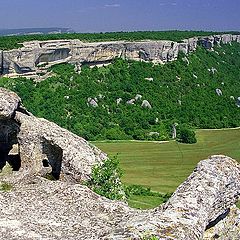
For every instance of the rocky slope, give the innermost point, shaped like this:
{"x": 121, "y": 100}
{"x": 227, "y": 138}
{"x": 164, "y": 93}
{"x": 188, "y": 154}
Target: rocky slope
{"x": 37, "y": 208}
{"x": 36, "y": 56}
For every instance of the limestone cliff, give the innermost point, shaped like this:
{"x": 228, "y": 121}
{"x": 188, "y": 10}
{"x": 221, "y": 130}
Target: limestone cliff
{"x": 37, "y": 208}
{"x": 36, "y": 56}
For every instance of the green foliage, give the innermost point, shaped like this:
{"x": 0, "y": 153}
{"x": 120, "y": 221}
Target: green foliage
{"x": 105, "y": 180}
{"x": 10, "y": 42}
{"x": 186, "y": 135}
{"x": 192, "y": 100}
{"x": 149, "y": 236}
{"x": 139, "y": 190}
{"x": 5, "y": 187}
{"x": 50, "y": 177}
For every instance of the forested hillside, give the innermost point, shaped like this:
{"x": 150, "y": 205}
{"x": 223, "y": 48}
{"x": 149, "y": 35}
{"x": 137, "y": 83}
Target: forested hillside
{"x": 199, "y": 90}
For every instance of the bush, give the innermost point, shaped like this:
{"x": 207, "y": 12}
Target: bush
{"x": 186, "y": 135}
{"x": 145, "y": 191}
{"x": 105, "y": 180}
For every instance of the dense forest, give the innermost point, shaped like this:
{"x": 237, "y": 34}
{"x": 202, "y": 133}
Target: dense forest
{"x": 11, "y": 42}
{"x": 139, "y": 100}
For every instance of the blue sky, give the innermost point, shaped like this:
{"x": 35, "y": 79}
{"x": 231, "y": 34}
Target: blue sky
{"x": 121, "y": 15}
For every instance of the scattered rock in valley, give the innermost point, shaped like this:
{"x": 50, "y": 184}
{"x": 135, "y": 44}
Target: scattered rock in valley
{"x": 154, "y": 134}
{"x": 238, "y": 101}
{"x": 138, "y": 97}
{"x": 146, "y": 104}
{"x": 185, "y": 59}
{"x": 119, "y": 100}
{"x": 212, "y": 70}
{"x": 195, "y": 76}
{"x": 219, "y": 92}
{"x": 149, "y": 79}
{"x": 131, "y": 101}
{"x": 92, "y": 102}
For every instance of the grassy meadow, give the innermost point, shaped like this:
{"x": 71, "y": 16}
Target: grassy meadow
{"x": 163, "y": 166}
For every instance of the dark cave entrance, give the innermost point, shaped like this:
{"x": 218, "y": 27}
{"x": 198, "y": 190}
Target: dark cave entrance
{"x": 9, "y": 130}
{"x": 54, "y": 155}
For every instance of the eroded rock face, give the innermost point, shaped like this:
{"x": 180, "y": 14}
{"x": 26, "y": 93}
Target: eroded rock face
{"x": 226, "y": 229}
{"x": 39, "y": 140}
{"x": 59, "y": 210}
{"x": 37, "y": 56}
{"x": 9, "y": 102}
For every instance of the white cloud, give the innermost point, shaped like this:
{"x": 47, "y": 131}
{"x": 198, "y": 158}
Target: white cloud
{"x": 168, "y": 3}
{"x": 112, "y": 5}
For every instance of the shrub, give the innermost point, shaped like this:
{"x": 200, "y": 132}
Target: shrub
{"x": 105, "y": 180}
{"x": 145, "y": 191}
{"x": 186, "y": 135}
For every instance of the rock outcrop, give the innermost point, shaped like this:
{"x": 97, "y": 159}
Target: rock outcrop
{"x": 58, "y": 210}
{"x": 42, "y": 209}
{"x": 40, "y": 140}
{"x": 36, "y": 56}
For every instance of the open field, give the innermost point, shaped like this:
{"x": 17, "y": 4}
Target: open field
{"x": 163, "y": 166}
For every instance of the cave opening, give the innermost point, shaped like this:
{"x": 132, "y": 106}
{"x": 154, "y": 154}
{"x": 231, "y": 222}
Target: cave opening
{"x": 9, "y": 147}
{"x": 54, "y": 155}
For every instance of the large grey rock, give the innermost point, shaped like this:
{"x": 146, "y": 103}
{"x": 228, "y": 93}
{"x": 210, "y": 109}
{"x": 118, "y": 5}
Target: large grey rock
{"x": 228, "y": 228}
{"x": 59, "y": 210}
{"x": 39, "y": 139}
{"x": 209, "y": 191}
{"x": 9, "y": 102}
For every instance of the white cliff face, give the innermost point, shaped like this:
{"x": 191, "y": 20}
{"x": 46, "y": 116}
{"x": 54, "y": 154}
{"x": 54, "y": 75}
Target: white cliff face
{"x": 36, "y": 56}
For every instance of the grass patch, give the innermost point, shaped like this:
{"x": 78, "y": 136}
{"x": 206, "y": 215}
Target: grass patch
{"x": 144, "y": 202}
{"x": 164, "y": 166}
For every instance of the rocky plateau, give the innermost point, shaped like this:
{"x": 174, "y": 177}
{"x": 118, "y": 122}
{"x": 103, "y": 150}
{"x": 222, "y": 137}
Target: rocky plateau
{"x": 35, "y": 57}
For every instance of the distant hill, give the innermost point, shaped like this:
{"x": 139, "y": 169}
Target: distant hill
{"x": 34, "y": 31}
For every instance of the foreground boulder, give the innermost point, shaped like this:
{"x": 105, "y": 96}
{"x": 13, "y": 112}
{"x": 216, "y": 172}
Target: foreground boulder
{"x": 58, "y": 210}
{"x": 41, "y": 143}
{"x": 201, "y": 207}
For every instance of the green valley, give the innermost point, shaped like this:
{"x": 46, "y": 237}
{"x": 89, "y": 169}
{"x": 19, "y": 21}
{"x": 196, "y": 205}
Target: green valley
{"x": 163, "y": 166}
